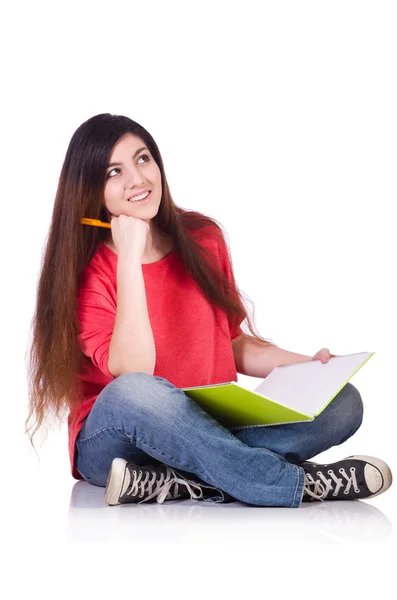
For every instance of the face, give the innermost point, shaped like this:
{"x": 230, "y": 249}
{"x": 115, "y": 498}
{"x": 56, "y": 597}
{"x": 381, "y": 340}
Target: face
{"x": 136, "y": 171}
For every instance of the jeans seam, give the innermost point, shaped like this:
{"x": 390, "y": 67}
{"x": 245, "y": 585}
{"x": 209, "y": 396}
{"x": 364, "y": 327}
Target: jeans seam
{"x": 300, "y": 469}
{"x": 79, "y": 439}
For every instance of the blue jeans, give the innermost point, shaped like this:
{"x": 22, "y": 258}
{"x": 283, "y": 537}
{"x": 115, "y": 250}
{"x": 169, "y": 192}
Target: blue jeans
{"x": 147, "y": 420}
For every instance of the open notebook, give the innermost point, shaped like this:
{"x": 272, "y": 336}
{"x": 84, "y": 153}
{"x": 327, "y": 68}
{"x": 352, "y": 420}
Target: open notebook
{"x": 289, "y": 394}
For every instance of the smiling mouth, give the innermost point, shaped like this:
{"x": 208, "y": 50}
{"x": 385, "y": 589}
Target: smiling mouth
{"x": 143, "y": 201}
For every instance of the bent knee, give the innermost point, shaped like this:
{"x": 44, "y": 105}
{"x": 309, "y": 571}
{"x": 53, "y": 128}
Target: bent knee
{"x": 351, "y": 405}
{"x": 134, "y": 376}
{"x": 135, "y": 390}
{"x": 134, "y": 380}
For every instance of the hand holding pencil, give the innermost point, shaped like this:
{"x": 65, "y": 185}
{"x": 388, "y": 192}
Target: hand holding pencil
{"x": 129, "y": 234}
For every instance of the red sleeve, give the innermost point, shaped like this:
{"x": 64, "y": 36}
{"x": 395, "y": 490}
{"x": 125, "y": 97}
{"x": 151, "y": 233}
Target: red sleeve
{"x": 234, "y": 322}
{"x": 96, "y": 311}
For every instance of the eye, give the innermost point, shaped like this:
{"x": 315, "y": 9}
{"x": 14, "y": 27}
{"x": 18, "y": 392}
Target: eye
{"x": 108, "y": 176}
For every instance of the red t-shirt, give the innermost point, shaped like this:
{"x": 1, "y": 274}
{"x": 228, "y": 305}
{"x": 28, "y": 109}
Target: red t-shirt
{"x": 192, "y": 349}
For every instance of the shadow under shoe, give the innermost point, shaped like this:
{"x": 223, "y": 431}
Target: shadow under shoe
{"x": 353, "y": 478}
{"x": 130, "y": 483}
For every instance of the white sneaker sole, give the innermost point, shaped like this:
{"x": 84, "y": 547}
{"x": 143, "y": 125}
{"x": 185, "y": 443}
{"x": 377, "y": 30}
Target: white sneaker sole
{"x": 115, "y": 480}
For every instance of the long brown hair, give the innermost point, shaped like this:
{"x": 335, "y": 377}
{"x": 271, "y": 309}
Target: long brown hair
{"x": 55, "y": 356}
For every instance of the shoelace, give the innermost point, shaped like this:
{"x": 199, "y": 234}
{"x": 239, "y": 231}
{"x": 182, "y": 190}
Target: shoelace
{"x": 321, "y": 491}
{"x": 162, "y": 486}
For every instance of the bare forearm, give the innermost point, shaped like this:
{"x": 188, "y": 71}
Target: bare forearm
{"x": 259, "y": 362}
{"x": 132, "y": 345}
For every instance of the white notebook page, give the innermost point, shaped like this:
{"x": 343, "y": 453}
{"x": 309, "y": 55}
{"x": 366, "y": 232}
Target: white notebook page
{"x": 308, "y": 386}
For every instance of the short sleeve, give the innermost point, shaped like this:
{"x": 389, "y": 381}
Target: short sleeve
{"x": 96, "y": 314}
{"x": 234, "y": 322}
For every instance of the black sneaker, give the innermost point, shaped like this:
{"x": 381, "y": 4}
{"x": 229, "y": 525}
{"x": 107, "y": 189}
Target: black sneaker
{"x": 127, "y": 482}
{"x": 353, "y": 478}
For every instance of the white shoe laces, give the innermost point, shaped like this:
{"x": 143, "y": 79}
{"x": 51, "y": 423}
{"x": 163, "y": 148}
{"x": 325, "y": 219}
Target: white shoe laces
{"x": 324, "y": 485}
{"x": 162, "y": 486}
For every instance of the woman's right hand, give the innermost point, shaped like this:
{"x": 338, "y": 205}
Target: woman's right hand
{"x": 129, "y": 235}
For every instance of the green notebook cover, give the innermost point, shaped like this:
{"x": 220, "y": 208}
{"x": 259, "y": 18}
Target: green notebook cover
{"x": 289, "y": 394}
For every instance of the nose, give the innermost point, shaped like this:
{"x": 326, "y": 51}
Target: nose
{"x": 134, "y": 178}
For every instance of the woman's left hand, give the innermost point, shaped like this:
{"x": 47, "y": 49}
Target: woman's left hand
{"x": 323, "y": 355}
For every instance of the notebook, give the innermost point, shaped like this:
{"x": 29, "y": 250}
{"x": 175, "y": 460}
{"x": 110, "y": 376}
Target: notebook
{"x": 289, "y": 394}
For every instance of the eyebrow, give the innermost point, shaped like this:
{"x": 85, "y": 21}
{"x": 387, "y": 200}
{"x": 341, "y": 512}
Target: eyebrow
{"x": 136, "y": 154}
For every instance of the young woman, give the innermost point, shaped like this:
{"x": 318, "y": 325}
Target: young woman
{"x": 126, "y": 316}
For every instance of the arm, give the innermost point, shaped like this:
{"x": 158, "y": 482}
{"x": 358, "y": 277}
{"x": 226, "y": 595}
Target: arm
{"x": 259, "y": 362}
{"x": 132, "y": 345}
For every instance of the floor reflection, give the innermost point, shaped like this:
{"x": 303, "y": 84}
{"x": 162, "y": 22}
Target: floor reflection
{"x": 90, "y": 519}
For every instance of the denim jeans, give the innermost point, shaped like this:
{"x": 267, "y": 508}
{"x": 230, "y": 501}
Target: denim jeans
{"x": 147, "y": 420}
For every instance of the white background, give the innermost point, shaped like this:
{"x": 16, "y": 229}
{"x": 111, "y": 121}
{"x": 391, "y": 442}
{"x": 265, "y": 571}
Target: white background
{"x": 278, "y": 119}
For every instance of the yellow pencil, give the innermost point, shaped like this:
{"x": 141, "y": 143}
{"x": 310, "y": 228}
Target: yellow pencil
{"x": 95, "y": 222}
